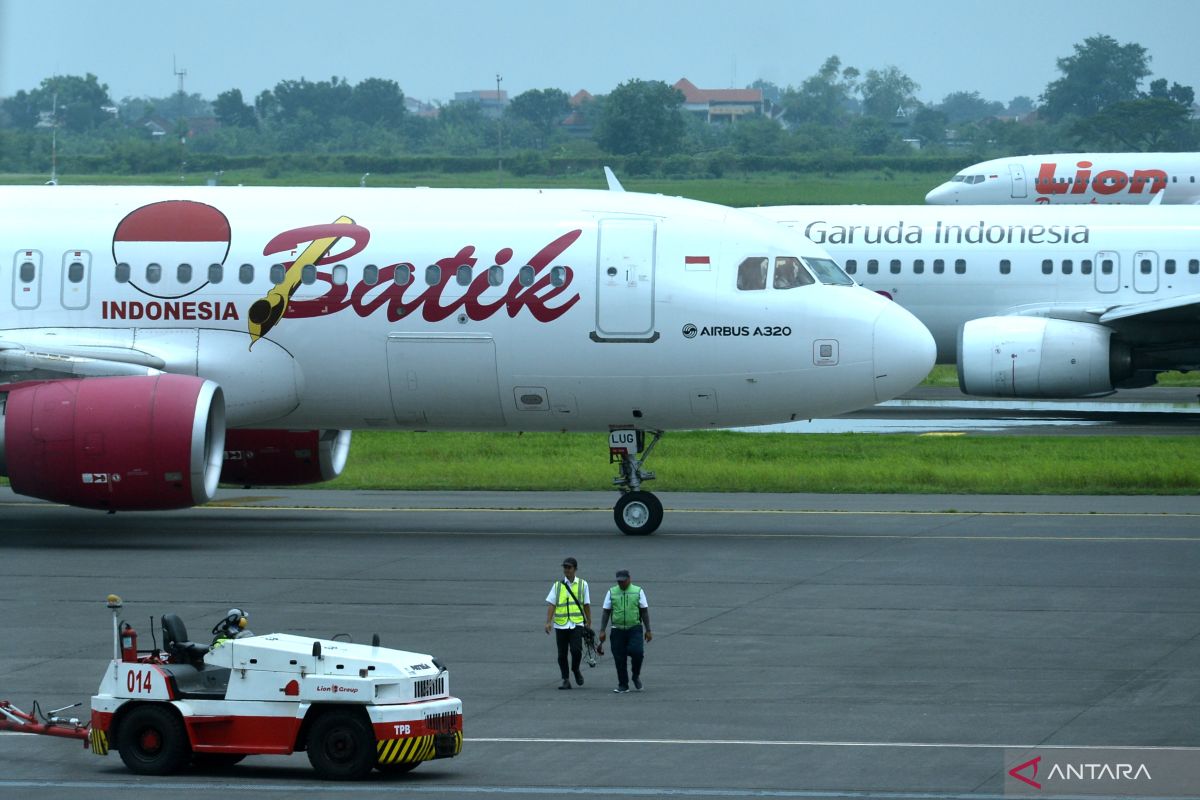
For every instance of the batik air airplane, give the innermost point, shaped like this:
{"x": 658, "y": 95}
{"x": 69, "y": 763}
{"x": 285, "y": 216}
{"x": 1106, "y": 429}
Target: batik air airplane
{"x": 1127, "y": 178}
{"x": 156, "y": 340}
{"x": 1030, "y": 302}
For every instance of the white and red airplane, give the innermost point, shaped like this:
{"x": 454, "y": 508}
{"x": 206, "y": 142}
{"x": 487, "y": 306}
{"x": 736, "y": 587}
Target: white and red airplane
{"x": 1128, "y": 178}
{"x": 1030, "y": 302}
{"x": 154, "y": 340}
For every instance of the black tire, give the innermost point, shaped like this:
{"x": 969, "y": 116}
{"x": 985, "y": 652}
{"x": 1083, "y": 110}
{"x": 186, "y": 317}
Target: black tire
{"x": 398, "y": 768}
{"x": 341, "y": 746}
{"x": 638, "y": 513}
{"x": 153, "y": 741}
{"x": 204, "y": 761}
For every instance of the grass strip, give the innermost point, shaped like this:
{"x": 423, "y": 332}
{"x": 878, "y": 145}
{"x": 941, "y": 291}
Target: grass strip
{"x": 729, "y": 461}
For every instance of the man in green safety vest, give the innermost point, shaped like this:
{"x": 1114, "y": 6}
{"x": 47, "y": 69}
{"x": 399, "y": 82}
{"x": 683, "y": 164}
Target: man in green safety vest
{"x": 569, "y": 610}
{"x": 626, "y": 605}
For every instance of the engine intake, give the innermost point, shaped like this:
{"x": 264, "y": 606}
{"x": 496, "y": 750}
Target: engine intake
{"x": 284, "y": 458}
{"x": 1039, "y": 357}
{"x": 121, "y": 444}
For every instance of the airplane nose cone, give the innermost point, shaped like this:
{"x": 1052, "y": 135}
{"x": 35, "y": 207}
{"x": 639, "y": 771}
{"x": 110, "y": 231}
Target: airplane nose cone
{"x": 904, "y": 352}
{"x": 942, "y": 195}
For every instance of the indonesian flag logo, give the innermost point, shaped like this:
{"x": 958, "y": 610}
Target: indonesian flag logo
{"x": 171, "y": 233}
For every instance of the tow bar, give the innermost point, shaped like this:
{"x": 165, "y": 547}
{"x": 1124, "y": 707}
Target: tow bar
{"x": 14, "y": 719}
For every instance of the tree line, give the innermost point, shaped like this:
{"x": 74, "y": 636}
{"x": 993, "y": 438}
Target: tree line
{"x": 831, "y": 117}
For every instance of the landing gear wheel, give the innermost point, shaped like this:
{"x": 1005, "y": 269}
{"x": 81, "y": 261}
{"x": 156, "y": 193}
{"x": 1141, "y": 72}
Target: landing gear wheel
{"x": 638, "y": 513}
{"x": 341, "y": 746}
{"x": 398, "y": 769}
{"x": 153, "y": 741}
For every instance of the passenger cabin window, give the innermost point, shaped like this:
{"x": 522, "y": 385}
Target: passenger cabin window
{"x": 340, "y": 273}
{"x": 894, "y": 266}
{"x": 27, "y": 272}
{"x": 525, "y": 275}
{"x": 918, "y": 266}
{"x": 1193, "y": 266}
{"x": 433, "y": 275}
{"x": 153, "y": 273}
{"x": 122, "y": 273}
{"x": 1005, "y": 266}
{"x": 828, "y": 272}
{"x": 370, "y": 274}
{"x": 246, "y": 273}
{"x": 1106, "y": 266}
{"x": 558, "y": 276}
{"x": 1085, "y": 266}
{"x": 1047, "y": 266}
{"x": 1169, "y": 266}
{"x": 790, "y": 273}
{"x": 402, "y": 275}
{"x": 495, "y": 275}
{"x": 278, "y": 271}
{"x": 1068, "y": 266}
{"x": 939, "y": 266}
{"x": 752, "y": 274}
{"x": 183, "y": 273}
{"x": 75, "y": 272}
{"x": 960, "y": 266}
{"x": 462, "y": 275}
{"x": 308, "y": 274}
{"x": 872, "y": 266}
{"x": 851, "y": 266}
{"x": 1145, "y": 266}
{"x": 215, "y": 273}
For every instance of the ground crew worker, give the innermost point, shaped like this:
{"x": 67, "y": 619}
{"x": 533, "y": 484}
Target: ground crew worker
{"x": 568, "y": 615}
{"x": 626, "y": 604}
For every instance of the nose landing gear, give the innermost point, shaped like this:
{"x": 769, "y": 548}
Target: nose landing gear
{"x": 637, "y": 513}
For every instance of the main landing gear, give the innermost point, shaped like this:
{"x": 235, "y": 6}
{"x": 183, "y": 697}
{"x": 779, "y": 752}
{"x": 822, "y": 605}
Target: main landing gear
{"x": 637, "y": 513}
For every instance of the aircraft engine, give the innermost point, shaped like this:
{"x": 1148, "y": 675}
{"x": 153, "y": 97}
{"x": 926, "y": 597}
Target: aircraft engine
{"x": 1039, "y": 357}
{"x": 119, "y": 443}
{"x": 284, "y": 458}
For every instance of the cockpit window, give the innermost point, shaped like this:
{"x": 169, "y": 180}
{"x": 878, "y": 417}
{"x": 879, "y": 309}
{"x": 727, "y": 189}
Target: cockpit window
{"x": 958, "y": 179}
{"x": 827, "y": 271}
{"x": 790, "y": 273}
{"x": 752, "y": 273}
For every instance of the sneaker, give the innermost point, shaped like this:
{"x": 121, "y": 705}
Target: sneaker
{"x": 566, "y": 684}
{"x": 637, "y": 684}
{"x": 578, "y": 678}
{"x": 621, "y": 690}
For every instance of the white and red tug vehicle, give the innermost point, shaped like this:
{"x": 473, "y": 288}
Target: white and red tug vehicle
{"x": 351, "y": 707}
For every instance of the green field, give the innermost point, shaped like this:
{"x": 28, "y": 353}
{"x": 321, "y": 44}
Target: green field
{"x": 727, "y": 461}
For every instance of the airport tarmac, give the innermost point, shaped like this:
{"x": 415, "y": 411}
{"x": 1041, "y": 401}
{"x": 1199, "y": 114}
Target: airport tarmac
{"x": 805, "y": 645}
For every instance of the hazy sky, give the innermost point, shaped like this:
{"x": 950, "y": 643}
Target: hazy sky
{"x": 1001, "y": 48}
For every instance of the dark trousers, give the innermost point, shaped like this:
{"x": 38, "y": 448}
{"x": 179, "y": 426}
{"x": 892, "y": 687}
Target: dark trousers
{"x": 572, "y": 637}
{"x": 627, "y": 643}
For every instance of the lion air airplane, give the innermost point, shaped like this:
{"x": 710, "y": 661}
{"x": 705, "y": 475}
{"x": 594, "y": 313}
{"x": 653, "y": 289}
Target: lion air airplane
{"x": 1129, "y": 178}
{"x": 1030, "y": 302}
{"x": 156, "y": 340}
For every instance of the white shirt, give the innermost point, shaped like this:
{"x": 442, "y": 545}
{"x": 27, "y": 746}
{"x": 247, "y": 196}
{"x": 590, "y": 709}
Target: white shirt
{"x": 584, "y": 597}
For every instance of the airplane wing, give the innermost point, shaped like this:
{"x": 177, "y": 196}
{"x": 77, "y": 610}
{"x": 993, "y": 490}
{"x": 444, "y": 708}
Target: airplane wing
{"x": 1182, "y": 308}
{"x": 32, "y": 358}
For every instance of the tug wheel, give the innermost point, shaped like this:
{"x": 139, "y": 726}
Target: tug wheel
{"x": 638, "y": 513}
{"x": 153, "y": 741}
{"x": 341, "y": 746}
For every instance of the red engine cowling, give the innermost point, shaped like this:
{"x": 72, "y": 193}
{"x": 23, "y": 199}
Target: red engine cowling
{"x": 284, "y": 458}
{"x": 120, "y": 444}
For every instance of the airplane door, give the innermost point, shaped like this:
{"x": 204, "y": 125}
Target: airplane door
{"x": 1017, "y": 173}
{"x": 444, "y": 380}
{"x": 27, "y": 279}
{"x": 625, "y": 281}
{"x": 76, "y": 278}
{"x": 1145, "y": 271}
{"x": 1108, "y": 271}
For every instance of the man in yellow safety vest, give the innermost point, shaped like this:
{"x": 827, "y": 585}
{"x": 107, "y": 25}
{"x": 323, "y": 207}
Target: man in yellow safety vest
{"x": 568, "y": 611}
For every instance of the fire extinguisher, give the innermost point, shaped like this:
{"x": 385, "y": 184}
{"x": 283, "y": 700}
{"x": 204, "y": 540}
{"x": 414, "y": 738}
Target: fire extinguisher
{"x": 128, "y": 643}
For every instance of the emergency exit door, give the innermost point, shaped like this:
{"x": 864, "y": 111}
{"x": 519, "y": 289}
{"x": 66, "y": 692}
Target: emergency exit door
{"x": 625, "y": 281}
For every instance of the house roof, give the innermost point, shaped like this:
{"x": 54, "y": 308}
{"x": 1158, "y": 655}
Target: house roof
{"x": 691, "y": 94}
